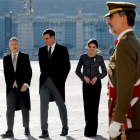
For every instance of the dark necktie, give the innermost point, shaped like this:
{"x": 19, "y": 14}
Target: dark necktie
{"x": 50, "y": 51}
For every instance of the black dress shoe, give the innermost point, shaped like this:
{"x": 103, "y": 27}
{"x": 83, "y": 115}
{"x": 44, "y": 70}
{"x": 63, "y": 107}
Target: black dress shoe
{"x": 44, "y": 134}
{"x": 8, "y": 134}
{"x": 64, "y": 131}
{"x": 90, "y": 135}
{"x": 27, "y": 131}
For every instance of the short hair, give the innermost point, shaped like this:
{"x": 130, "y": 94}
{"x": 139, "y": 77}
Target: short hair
{"x": 94, "y": 41}
{"x": 131, "y": 15}
{"x": 50, "y": 32}
{"x": 13, "y": 38}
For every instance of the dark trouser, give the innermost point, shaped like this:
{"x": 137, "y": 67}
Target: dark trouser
{"x": 91, "y": 97}
{"x": 11, "y": 102}
{"x": 47, "y": 89}
{"x": 133, "y": 135}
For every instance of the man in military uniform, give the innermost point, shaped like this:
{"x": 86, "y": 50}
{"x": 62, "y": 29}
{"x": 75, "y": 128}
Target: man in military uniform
{"x": 124, "y": 72}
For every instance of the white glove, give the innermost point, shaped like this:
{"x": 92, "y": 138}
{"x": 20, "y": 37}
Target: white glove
{"x": 114, "y": 129}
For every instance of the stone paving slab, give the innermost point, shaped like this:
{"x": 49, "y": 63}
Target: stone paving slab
{"x": 74, "y": 103}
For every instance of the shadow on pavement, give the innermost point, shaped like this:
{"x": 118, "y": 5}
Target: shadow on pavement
{"x": 12, "y": 138}
{"x": 48, "y": 139}
{"x": 28, "y": 138}
{"x": 31, "y": 138}
{"x": 69, "y": 138}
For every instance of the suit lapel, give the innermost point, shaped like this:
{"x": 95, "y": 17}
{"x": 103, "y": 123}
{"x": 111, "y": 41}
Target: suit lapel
{"x": 11, "y": 63}
{"x": 46, "y": 52}
{"x": 55, "y": 50}
{"x": 18, "y": 60}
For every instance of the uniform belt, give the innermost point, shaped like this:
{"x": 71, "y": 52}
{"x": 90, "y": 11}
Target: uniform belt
{"x": 113, "y": 95}
{"x": 136, "y": 91}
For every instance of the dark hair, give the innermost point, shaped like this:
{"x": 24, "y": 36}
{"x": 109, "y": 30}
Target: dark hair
{"x": 94, "y": 41}
{"x": 50, "y": 32}
{"x": 130, "y": 16}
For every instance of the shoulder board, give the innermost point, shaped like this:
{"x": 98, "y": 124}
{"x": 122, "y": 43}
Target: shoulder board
{"x": 124, "y": 37}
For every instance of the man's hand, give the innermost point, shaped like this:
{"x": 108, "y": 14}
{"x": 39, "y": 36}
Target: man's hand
{"x": 93, "y": 81}
{"x": 114, "y": 129}
{"x": 24, "y": 88}
{"x": 87, "y": 80}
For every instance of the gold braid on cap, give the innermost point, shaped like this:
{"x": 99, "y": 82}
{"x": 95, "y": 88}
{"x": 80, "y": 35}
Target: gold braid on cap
{"x": 115, "y": 10}
{"x": 120, "y": 9}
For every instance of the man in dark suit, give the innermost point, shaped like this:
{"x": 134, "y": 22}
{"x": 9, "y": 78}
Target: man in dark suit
{"x": 18, "y": 73}
{"x": 54, "y": 66}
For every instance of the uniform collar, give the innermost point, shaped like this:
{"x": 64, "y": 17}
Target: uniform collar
{"x": 124, "y": 32}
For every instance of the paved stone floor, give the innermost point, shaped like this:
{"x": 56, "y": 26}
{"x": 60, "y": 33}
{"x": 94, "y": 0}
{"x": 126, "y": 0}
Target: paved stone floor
{"x": 74, "y": 102}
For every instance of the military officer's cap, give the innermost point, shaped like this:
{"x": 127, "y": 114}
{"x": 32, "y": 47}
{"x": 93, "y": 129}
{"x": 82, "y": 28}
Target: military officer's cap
{"x": 114, "y": 7}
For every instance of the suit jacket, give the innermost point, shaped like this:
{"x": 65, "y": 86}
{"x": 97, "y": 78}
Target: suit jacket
{"x": 22, "y": 75}
{"x": 56, "y": 67}
{"x": 91, "y": 67}
{"x": 126, "y": 73}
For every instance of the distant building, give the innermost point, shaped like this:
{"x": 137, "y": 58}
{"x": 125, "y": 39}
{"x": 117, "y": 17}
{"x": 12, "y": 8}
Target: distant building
{"x": 74, "y": 21}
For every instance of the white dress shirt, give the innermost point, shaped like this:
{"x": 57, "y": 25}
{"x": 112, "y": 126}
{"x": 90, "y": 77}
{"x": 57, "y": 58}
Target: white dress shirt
{"x": 15, "y": 84}
{"x": 14, "y": 65}
{"x": 53, "y": 47}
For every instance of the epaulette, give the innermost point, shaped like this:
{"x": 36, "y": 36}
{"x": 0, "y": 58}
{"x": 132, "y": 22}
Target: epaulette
{"x": 124, "y": 37}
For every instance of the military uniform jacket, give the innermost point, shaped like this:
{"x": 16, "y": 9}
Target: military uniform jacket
{"x": 125, "y": 68}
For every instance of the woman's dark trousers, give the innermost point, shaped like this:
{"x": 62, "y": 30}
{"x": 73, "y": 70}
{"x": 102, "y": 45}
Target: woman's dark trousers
{"x": 91, "y": 97}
